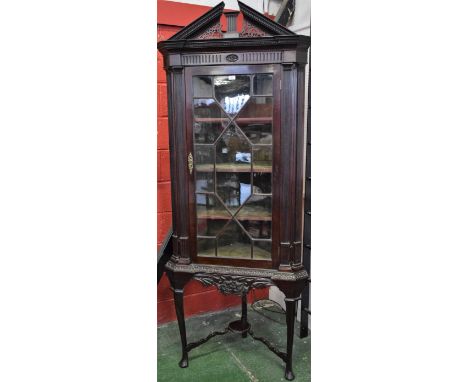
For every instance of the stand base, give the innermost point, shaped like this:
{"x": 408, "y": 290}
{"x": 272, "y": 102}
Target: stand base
{"x": 238, "y": 327}
{"x": 238, "y": 281}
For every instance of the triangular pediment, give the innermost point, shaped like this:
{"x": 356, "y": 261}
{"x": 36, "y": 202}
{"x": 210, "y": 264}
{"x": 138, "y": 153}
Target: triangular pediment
{"x": 208, "y": 26}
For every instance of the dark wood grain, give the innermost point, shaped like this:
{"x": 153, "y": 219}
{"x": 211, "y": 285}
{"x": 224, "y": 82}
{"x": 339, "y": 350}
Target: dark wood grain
{"x": 284, "y": 54}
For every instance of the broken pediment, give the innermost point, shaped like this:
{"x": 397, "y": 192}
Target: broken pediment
{"x": 209, "y": 26}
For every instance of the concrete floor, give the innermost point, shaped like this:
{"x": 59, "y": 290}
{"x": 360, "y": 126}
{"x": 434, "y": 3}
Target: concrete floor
{"x": 231, "y": 358}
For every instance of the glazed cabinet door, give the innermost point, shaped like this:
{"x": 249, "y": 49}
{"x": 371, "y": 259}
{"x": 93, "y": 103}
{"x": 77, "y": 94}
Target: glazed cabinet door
{"x": 232, "y": 119}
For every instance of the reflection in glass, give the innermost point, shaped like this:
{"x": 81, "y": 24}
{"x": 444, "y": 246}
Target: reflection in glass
{"x": 207, "y": 110}
{"x": 232, "y": 92}
{"x": 262, "y": 183}
{"x": 260, "y": 108}
{"x": 258, "y": 133}
{"x": 208, "y": 132}
{"x": 263, "y": 84}
{"x": 204, "y": 158}
{"x": 204, "y": 182}
{"x": 233, "y": 152}
{"x": 233, "y": 188}
{"x": 202, "y": 87}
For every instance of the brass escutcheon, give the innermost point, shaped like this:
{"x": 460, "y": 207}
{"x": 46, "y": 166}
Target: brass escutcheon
{"x": 190, "y": 163}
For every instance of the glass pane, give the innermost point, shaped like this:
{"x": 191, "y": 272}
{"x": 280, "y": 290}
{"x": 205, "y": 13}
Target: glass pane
{"x": 233, "y": 188}
{"x": 233, "y": 136}
{"x": 204, "y": 158}
{"x": 263, "y": 84}
{"x": 202, "y": 87}
{"x": 258, "y": 207}
{"x": 204, "y": 182}
{"x": 208, "y": 132}
{"x": 210, "y": 227}
{"x": 211, "y": 215}
{"x": 207, "y": 110}
{"x": 258, "y": 133}
{"x": 257, "y": 229}
{"x": 258, "y": 108}
{"x": 261, "y": 183}
{"x": 262, "y": 250}
{"x": 255, "y": 120}
{"x": 232, "y": 92}
{"x": 262, "y": 158}
{"x": 206, "y": 247}
{"x": 233, "y": 242}
{"x": 233, "y": 152}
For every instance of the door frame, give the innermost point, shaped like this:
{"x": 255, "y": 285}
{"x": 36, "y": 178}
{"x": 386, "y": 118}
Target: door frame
{"x": 276, "y": 70}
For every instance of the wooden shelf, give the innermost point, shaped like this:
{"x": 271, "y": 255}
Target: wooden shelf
{"x": 246, "y": 213}
{"x": 238, "y": 167}
{"x": 237, "y": 251}
{"x": 245, "y": 121}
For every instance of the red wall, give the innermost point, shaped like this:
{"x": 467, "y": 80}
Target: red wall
{"x": 164, "y": 178}
{"x": 171, "y": 17}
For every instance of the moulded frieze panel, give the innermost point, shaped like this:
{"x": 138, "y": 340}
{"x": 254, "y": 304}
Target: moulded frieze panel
{"x": 199, "y": 59}
{"x": 231, "y": 58}
{"x": 262, "y": 56}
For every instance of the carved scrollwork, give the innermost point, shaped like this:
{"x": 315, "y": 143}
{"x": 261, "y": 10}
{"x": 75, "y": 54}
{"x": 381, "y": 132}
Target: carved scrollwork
{"x": 212, "y": 32}
{"x": 251, "y": 30}
{"x": 232, "y": 284}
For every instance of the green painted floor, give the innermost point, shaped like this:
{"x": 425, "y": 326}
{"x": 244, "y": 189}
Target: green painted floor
{"x": 231, "y": 358}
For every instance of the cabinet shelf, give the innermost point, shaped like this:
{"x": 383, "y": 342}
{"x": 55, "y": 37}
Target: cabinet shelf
{"x": 237, "y": 251}
{"x": 234, "y": 167}
{"x": 250, "y": 120}
{"x": 247, "y": 212}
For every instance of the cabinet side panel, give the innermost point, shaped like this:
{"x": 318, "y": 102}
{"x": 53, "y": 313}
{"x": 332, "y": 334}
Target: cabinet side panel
{"x": 299, "y": 186}
{"x": 173, "y": 167}
{"x": 192, "y": 211}
{"x": 277, "y": 165}
{"x": 288, "y": 163}
{"x": 178, "y": 156}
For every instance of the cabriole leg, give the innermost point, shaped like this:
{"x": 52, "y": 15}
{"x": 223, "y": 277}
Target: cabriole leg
{"x": 290, "y": 319}
{"x": 179, "y": 307}
{"x": 178, "y": 281}
{"x": 292, "y": 291}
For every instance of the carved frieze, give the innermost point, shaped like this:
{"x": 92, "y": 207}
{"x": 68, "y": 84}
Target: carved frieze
{"x": 231, "y": 284}
{"x": 256, "y": 273}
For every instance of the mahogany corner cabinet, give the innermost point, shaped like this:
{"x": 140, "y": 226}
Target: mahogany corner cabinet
{"x": 236, "y": 135}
